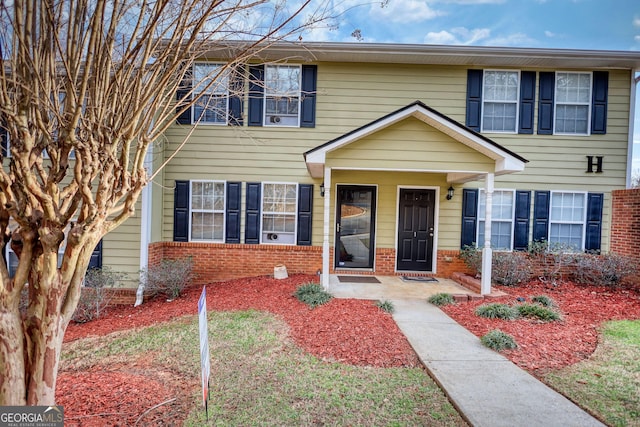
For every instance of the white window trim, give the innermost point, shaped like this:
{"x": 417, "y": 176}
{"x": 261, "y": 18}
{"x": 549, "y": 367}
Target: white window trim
{"x": 224, "y": 210}
{"x": 517, "y": 102}
{"x": 494, "y": 220}
{"x": 555, "y": 102}
{"x": 262, "y": 213}
{"x": 266, "y": 122}
{"x": 584, "y": 215}
{"x": 194, "y": 119}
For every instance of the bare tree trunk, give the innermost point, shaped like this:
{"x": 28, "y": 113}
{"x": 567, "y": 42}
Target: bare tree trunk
{"x": 12, "y": 358}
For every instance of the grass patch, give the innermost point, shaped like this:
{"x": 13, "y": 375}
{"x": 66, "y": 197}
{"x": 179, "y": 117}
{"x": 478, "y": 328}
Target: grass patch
{"x": 260, "y": 377}
{"x": 441, "y": 299}
{"x": 497, "y": 311}
{"x": 312, "y": 294}
{"x": 544, "y": 301}
{"x": 498, "y": 340}
{"x": 607, "y": 384}
{"x": 539, "y": 312}
{"x": 386, "y": 306}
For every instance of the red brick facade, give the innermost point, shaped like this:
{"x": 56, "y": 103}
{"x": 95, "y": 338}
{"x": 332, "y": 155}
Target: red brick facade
{"x": 625, "y": 222}
{"x": 216, "y": 262}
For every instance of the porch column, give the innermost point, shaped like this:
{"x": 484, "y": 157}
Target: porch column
{"x": 487, "y": 254}
{"x": 326, "y": 258}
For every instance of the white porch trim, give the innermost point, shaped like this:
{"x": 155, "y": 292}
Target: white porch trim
{"x": 326, "y": 259}
{"x": 487, "y": 253}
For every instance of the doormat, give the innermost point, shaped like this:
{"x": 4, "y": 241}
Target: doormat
{"x": 358, "y": 279}
{"x": 419, "y": 279}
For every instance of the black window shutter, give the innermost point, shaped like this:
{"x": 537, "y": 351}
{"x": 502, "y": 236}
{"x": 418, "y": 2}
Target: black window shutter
{"x": 600, "y": 93}
{"x": 181, "y": 212}
{"x": 305, "y": 211}
{"x": 96, "y": 256}
{"x": 252, "y": 213}
{"x": 541, "y": 215}
{"x": 595, "y": 202}
{"x": 545, "y": 103}
{"x": 522, "y": 216}
{"x": 469, "y": 217}
{"x": 232, "y": 214}
{"x": 309, "y": 86}
{"x": 474, "y": 99}
{"x": 236, "y": 94}
{"x": 183, "y": 90}
{"x": 256, "y": 95}
{"x": 527, "y": 101}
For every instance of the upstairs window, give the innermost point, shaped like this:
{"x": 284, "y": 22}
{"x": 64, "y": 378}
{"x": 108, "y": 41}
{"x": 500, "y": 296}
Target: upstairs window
{"x": 213, "y": 83}
{"x": 282, "y": 95}
{"x": 500, "y": 101}
{"x": 573, "y": 103}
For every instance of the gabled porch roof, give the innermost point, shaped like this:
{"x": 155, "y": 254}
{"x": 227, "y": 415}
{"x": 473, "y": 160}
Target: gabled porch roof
{"x": 505, "y": 160}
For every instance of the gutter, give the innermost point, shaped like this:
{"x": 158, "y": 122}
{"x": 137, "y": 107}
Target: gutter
{"x": 635, "y": 78}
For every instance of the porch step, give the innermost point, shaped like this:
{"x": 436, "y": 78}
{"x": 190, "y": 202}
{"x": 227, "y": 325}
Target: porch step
{"x": 474, "y": 285}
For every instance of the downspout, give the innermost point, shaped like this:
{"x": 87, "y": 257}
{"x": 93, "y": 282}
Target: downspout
{"x": 145, "y": 225}
{"x": 632, "y": 118}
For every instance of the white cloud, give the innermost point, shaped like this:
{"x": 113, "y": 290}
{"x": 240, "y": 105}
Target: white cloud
{"x": 470, "y": 1}
{"x": 404, "y": 11}
{"x": 550, "y": 34}
{"x": 458, "y": 36}
{"x": 636, "y": 22}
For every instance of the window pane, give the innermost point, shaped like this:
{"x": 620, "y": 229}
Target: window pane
{"x": 210, "y": 74}
{"x": 282, "y": 80}
{"x": 572, "y": 118}
{"x": 569, "y": 234}
{"x": 279, "y": 213}
{"x": 499, "y": 117}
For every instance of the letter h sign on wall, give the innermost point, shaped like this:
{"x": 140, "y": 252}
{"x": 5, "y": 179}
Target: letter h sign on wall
{"x": 597, "y": 163}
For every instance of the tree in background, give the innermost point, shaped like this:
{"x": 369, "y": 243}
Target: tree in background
{"x": 86, "y": 86}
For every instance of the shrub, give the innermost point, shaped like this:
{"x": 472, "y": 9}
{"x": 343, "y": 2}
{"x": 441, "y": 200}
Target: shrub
{"x": 169, "y": 278}
{"x": 498, "y": 340}
{"x": 94, "y": 297}
{"x": 441, "y": 299}
{"x": 539, "y": 312}
{"x": 510, "y": 268}
{"x": 544, "y": 301}
{"x": 606, "y": 270}
{"x": 312, "y": 294}
{"x": 552, "y": 259}
{"x": 497, "y": 311}
{"x": 386, "y": 306}
{"x": 472, "y": 258}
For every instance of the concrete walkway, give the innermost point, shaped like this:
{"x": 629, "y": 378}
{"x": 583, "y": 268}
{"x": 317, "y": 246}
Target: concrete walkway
{"x": 486, "y": 388}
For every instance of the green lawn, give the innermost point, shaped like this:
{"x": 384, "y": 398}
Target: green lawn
{"x": 260, "y": 377}
{"x": 608, "y": 383}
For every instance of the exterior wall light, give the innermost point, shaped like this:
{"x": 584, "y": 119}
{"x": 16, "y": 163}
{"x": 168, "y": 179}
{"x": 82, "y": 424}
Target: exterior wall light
{"x": 322, "y": 189}
{"x": 450, "y": 193}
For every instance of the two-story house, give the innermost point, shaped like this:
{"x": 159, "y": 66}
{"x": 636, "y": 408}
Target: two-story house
{"x": 387, "y": 159}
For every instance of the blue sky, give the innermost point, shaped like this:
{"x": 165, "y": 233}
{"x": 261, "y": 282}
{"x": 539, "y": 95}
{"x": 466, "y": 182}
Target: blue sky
{"x": 571, "y": 24}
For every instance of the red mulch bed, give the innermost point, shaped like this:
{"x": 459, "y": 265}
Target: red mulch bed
{"x": 348, "y": 331}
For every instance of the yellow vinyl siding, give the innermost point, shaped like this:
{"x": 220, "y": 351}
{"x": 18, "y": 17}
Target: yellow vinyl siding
{"x": 410, "y": 145}
{"x": 355, "y": 94}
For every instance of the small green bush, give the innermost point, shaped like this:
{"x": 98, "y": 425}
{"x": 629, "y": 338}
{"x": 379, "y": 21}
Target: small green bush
{"x": 441, "y": 299}
{"x": 312, "y": 294}
{"x": 544, "y": 301}
{"x": 537, "y": 311}
{"x": 386, "y": 306}
{"x": 169, "y": 278}
{"x": 498, "y": 340}
{"x": 497, "y": 311}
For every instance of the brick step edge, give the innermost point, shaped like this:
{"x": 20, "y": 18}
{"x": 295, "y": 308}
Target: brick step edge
{"x": 474, "y": 285}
